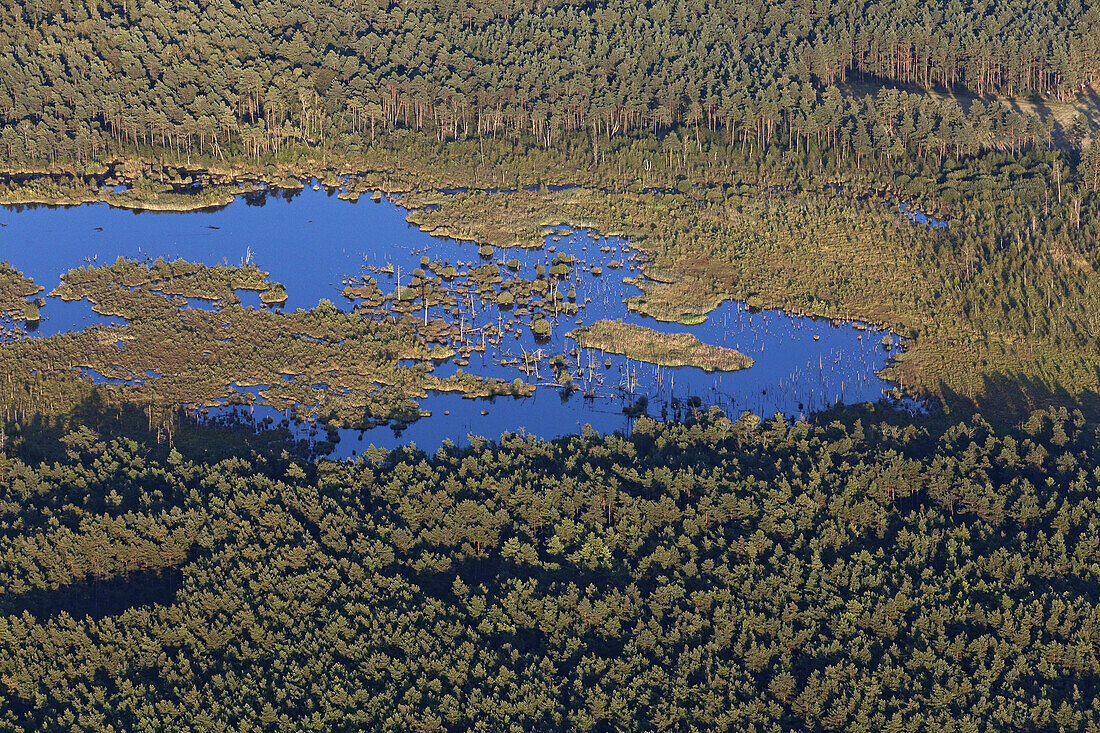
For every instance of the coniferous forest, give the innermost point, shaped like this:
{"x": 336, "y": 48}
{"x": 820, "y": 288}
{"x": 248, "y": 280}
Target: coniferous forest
{"x": 857, "y": 574}
{"x": 81, "y": 80}
{"x": 862, "y": 568}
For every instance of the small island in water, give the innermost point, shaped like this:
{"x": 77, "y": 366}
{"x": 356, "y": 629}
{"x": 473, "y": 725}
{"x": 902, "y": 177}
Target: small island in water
{"x": 663, "y": 349}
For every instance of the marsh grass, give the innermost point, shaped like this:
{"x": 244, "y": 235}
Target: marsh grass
{"x": 653, "y": 347}
{"x": 14, "y": 306}
{"x": 998, "y": 311}
{"x": 349, "y": 370}
{"x": 984, "y": 330}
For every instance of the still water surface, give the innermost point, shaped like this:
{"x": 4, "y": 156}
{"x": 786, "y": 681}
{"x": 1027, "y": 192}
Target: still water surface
{"x": 313, "y": 243}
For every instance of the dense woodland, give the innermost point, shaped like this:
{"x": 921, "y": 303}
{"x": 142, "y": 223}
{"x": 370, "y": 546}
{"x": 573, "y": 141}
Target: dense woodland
{"x": 80, "y": 79}
{"x": 866, "y": 571}
{"x": 855, "y": 574}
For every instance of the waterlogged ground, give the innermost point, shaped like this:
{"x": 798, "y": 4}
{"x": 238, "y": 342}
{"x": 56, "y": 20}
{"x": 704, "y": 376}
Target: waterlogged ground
{"x": 318, "y": 245}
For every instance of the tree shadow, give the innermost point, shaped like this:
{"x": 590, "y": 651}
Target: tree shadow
{"x": 1087, "y": 103}
{"x": 1007, "y": 398}
{"x": 38, "y": 438}
{"x": 97, "y": 599}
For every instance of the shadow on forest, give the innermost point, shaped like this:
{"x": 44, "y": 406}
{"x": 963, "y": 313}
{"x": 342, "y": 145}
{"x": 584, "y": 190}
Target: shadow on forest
{"x": 98, "y": 598}
{"x": 1087, "y": 103}
{"x": 1009, "y": 398}
{"x": 38, "y": 438}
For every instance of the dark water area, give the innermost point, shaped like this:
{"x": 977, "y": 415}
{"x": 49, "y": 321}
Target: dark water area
{"x": 316, "y": 244}
{"x": 917, "y": 216}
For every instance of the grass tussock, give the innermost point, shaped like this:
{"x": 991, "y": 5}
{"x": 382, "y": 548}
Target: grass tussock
{"x": 654, "y": 347}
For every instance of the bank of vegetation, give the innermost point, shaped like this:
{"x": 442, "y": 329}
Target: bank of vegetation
{"x": 653, "y": 347}
{"x": 81, "y": 81}
{"x": 16, "y": 308}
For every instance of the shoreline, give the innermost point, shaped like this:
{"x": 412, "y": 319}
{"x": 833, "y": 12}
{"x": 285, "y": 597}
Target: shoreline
{"x": 230, "y": 184}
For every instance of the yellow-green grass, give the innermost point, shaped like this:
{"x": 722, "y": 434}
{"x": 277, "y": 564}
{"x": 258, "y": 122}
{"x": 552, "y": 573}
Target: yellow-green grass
{"x": 653, "y": 347}
{"x": 200, "y": 353}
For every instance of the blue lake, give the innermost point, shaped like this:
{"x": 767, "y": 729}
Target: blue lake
{"x": 315, "y": 244}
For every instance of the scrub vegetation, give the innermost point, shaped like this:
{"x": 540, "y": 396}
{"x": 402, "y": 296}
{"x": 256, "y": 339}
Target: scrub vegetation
{"x": 15, "y": 309}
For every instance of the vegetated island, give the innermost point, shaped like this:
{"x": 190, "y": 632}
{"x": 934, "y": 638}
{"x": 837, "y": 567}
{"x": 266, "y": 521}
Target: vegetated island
{"x": 14, "y": 306}
{"x": 654, "y": 347}
{"x": 183, "y": 359}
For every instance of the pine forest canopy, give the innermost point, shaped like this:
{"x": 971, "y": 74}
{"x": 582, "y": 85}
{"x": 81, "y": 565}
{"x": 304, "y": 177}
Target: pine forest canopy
{"x": 850, "y": 575}
{"x": 75, "y": 75}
